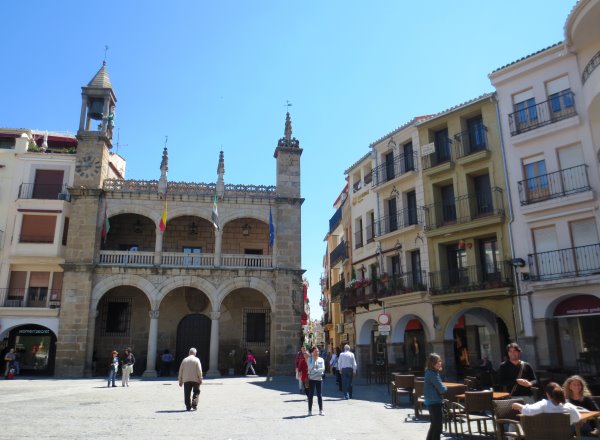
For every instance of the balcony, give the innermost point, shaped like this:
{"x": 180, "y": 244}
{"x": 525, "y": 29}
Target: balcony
{"x": 44, "y": 191}
{"x": 340, "y": 253}
{"x": 183, "y": 260}
{"x": 558, "y": 184}
{"x": 358, "y": 297}
{"x": 360, "y": 184}
{"x": 31, "y": 297}
{"x": 471, "y": 278}
{"x": 335, "y": 220}
{"x": 565, "y": 263}
{"x": 402, "y": 219}
{"x": 400, "y": 284}
{"x": 337, "y": 291}
{"x": 390, "y": 170}
{"x": 464, "y": 209}
{"x": 471, "y": 141}
{"x": 560, "y": 106}
{"x": 442, "y": 154}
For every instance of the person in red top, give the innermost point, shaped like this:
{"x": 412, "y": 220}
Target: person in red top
{"x": 300, "y": 356}
{"x": 303, "y": 371}
{"x": 250, "y": 362}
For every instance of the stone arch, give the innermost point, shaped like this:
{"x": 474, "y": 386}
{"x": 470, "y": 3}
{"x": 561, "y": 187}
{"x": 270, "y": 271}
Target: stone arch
{"x": 550, "y": 308}
{"x": 448, "y": 328}
{"x": 245, "y": 282}
{"x": 184, "y": 210}
{"x": 363, "y": 336}
{"x": 400, "y": 326}
{"x": 186, "y": 281}
{"x": 253, "y": 212}
{"x": 115, "y": 209}
{"x": 113, "y": 281}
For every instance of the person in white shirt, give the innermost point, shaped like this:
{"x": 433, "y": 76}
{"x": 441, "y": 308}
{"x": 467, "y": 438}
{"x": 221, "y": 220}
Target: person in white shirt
{"x": 316, "y": 368}
{"x": 554, "y": 403}
{"x": 347, "y": 366}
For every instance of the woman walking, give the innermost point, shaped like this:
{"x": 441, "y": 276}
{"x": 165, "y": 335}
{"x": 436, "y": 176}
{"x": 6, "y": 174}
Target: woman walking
{"x": 113, "y": 368}
{"x": 127, "y": 366}
{"x": 316, "y": 368}
{"x": 250, "y": 362}
{"x": 434, "y": 388}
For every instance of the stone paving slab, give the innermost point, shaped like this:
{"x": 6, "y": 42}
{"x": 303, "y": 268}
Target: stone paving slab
{"x": 233, "y": 408}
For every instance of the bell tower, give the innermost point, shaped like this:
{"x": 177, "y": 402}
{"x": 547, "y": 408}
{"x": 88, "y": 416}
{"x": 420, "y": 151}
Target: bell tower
{"x": 96, "y": 125}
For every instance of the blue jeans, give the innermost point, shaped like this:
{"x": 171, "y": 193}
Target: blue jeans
{"x": 112, "y": 374}
{"x": 347, "y": 374}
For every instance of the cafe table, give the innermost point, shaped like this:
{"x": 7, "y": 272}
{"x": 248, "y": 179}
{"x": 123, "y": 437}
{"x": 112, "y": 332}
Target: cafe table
{"x": 496, "y": 395}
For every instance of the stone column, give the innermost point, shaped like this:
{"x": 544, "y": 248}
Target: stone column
{"x": 152, "y": 344}
{"x": 158, "y": 247}
{"x": 89, "y": 349}
{"x": 214, "y": 345}
{"x": 218, "y": 238}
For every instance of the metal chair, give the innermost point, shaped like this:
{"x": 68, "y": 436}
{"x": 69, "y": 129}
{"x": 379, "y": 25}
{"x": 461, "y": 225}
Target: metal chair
{"x": 547, "y": 426}
{"x": 506, "y": 416}
{"x": 418, "y": 401}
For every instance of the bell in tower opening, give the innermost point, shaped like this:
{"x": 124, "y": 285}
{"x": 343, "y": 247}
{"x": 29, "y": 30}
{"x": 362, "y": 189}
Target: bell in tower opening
{"x": 98, "y": 104}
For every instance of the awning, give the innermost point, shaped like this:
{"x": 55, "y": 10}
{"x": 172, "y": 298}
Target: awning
{"x": 413, "y": 324}
{"x": 580, "y": 305}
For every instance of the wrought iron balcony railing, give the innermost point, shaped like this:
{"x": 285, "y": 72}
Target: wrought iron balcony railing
{"x": 51, "y": 191}
{"x": 340, "y": 253}
{"x": 560, "y": 106}
{"x": 442, "y": 154}
{"x": 464, "y": 209}
{"x": 552, "y": 185}
{"x": 471, "y": 141}
{"x": 398, "y": 284}
{"x": 402, "y": 219}
{"x": 565, "y": 263}
{"x": 337, "y": 291}
{"x": 471, "y": 278}
{"x": 390, "y": 170}
{"x": 590, "y": 67}
{"x": 370, "y": 230}
{"x": 31, "y": 297}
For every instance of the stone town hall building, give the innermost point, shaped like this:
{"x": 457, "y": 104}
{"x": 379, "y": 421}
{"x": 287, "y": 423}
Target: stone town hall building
{"x": 126, "y": 282}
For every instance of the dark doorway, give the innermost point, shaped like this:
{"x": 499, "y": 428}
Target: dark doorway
{"x": 35, "y": 347}
{"x": 194, "y": 331}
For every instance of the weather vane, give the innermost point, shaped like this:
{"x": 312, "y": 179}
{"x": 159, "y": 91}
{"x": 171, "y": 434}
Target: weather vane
{"x": 287, "y": 104}
{"x": 105, "y": 50}
{"x": 166, "y": 139}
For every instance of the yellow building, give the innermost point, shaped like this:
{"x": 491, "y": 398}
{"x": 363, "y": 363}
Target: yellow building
{"x": 465, "y": 214}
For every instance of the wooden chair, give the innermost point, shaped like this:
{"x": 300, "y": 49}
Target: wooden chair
{"x": 402, "y": 385}
{"x": 547, "y": 426}
{"x": 453, "y": 414}
{"x": 479, "y": 408}
{"x": 506, "y": 416}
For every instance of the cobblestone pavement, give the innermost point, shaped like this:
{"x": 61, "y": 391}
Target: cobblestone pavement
{"x": 229, "y": 408}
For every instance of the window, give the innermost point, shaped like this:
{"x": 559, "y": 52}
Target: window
{"x": 65, "y": 234}
{"x": 48, "y": 184}
{"x": 358, "y": 237}
{"x": 116, "y": 316}
{"x": 257, "y": 326}
{"x": 448, "y": 204}
{"x": 559, "y": 96}
{"x": 371, "y": 227}
{"x": 38, "y": 288}
{"x": 7, "y": 144}
{"x": 442, "y": 146}
{"x": 37, "y": 229}
{"x": 585, "y": 245}
{"x": 476, "y": 130}
{"x": 392, "y": 215}
{"x": 411, "y": 208}
{"x": 409, "y": 158}
{"x": 483, "y": 194}
{"x": 490, "y": 259}
{"x": 415, "y": 266}
{"x": 525, "y": 109}
{"x": 389, "y": 166}
{"x": 573, "y": 171}
{"x": 547, "y": 261}
{"x": 536, "y": 183}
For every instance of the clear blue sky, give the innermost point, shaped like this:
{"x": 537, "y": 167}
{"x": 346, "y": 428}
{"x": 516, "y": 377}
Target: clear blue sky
{"x": 214, "y": 75}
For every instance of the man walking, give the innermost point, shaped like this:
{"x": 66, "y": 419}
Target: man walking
{"x": 190, "y": 377}
{"x": 347, "y": 366}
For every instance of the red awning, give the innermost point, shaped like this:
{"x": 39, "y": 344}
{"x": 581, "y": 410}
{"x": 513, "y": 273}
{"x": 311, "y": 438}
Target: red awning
{"x": 460, "y": 323}
{"x": 413, "y": 324}
{"x": 577, "y": 306}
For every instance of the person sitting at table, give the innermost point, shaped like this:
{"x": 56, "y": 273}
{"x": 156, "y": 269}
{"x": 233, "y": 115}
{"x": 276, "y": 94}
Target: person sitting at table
{"x": 555, "y": 402}
{"x": 577, "y": 392}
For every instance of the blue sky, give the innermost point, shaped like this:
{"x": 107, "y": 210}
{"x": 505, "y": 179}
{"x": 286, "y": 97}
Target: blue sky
{"x": 214, "y": 75}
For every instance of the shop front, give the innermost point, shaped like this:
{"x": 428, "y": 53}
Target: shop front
{"x": 35, "y": 347}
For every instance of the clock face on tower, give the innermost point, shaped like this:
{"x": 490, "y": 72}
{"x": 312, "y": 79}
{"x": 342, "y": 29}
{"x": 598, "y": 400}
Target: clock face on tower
{"x": 88, "y": 166}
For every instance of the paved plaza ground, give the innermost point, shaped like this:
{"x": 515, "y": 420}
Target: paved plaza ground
{"x": 229, "y": 408}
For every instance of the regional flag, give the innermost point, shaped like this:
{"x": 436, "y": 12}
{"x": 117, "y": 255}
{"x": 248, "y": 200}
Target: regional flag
{"x": 215, "y": 215}
{"x": 105, "y": 223}
{"x": 163, "y": 217}
{"x": 271, "y": 229}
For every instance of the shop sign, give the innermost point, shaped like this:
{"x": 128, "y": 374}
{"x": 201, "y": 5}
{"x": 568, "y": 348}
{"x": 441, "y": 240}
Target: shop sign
{"x": 33, "y": 331}
{"x": 385, "y": 328}
{"x": 578, "y": 305}
{"x": 427, "y": 149}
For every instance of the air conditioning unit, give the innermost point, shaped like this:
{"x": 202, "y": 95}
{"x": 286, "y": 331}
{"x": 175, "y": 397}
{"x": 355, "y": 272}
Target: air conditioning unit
{"x": 339, "y": 328}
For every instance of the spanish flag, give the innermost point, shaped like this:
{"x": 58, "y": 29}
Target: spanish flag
{"x": 163, "y": 218}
